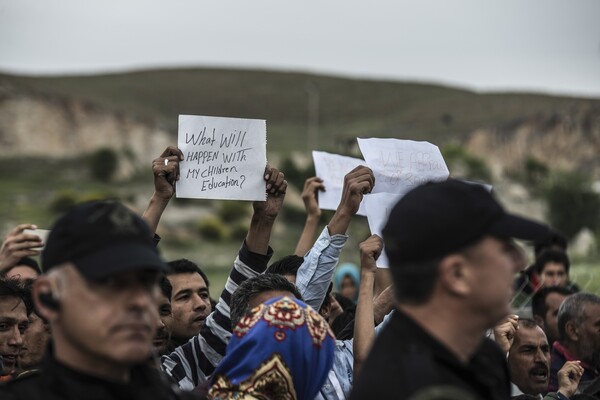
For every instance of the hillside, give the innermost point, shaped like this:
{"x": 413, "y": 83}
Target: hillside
{"x": 347, "y": 108}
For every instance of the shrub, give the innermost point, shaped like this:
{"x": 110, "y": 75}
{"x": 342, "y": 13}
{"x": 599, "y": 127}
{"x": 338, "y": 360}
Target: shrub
{"x": 212, "y": 229}
{"x": 572, "y": 204}
{"x": 63, "y": 201}
{"x": 231, "y": 211}
{"x": 103, "y": 164}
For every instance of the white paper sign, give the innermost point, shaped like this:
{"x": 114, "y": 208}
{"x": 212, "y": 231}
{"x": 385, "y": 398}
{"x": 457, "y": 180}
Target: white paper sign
{"x": 378, "y": 207}
{"x": 332, "y": 168}
{"x": 224, "y": 158}
{"x": 401, "y": 165}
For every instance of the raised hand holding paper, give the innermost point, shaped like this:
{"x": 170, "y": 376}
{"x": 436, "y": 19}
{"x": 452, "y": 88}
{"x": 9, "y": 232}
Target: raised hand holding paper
{"x": 224, "y": 158}
{"x": 332, "y": 168}
{"x": 401, "y": 165}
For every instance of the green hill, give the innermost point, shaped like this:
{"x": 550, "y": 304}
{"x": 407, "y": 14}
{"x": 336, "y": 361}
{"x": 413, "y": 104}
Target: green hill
{"x": 347, "y": 107}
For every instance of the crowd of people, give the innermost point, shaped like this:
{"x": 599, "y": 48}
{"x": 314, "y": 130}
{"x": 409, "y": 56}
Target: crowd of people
{"x": 464, "y": 315}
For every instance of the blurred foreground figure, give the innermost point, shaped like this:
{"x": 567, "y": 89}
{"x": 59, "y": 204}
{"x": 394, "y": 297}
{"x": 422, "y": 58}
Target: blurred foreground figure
{"x": 282, "y": 349}
{"x": 453, "y": 263}
{"x": 99, "y": 294}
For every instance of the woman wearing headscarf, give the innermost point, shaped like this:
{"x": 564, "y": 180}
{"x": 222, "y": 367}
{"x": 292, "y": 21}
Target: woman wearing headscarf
{"x": 347, "y": 280}
{"x": 282, "y": 349}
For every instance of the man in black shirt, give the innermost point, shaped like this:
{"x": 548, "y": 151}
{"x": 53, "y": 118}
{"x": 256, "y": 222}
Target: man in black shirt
{"x": 453, "y": 261}
{"x": 98, "y": 292}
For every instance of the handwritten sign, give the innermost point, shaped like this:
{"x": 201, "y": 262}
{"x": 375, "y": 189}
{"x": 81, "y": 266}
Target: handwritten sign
{"x": 378, "y": 207}
{"x": 401, "y": 165}
{"x": 332, "y": 168}
{"x": 224, "y": 158}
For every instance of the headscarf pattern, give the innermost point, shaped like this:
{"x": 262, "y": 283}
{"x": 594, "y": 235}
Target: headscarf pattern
{"x": 282, "y": 349}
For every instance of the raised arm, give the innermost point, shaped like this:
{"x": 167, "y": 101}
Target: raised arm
{"x": 314, "y": 275}
{"x": 265, "y": 212}
{"x": 191, "y": 364}
{"x": 17, "y": 245}
{"x": 364, "y": 326}
{"x": 166, "y": 172}
{"x": 313, "y": 214}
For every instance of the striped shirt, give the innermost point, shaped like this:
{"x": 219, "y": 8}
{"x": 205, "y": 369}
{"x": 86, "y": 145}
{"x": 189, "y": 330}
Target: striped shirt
{"x": 192, "y": 363}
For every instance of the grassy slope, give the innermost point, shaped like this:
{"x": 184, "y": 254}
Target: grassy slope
{"x": 348, "y": 108}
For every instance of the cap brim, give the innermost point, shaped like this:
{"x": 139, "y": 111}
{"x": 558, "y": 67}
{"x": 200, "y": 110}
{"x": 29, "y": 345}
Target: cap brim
{"x": 519, "y": 228}
{"x": 125, "y": 257}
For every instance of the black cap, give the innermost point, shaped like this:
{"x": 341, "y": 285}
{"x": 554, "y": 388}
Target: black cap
{"x": 439, "y": 218}
{"x": 102, "y": 238}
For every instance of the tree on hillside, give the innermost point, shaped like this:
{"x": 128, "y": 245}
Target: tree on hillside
{"x": 572, "y": 204}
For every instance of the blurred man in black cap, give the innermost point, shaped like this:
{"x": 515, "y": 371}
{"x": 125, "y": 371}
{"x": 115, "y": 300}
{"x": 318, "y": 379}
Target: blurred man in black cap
{"x": 99, "y": 293}
{"x": 452, "y": 259}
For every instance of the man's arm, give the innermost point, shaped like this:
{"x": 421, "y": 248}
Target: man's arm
{"x": 314, "y": 275}
{"x": 364, "y": 326}
{"x": 192, "y": 363}
{"x": 17, "y": 245}
{"x": 313, "y": 214}
{"x": 165, "y": 169}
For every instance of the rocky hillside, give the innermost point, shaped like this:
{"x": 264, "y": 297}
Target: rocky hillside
{"x": 46, "y": 125}
{"x": 569, "y": 139}
{"x": 136, "y": 113}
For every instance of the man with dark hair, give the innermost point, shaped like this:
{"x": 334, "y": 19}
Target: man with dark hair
{"x": 98, "y": 291}
{"x": 15, "y": 306}
{"x": 287, "y": 266}
{"x": 35, "y": 341}
{"x": 544, "y": 307}
{"x": 452, "y": 262}
{"x": 528, "y": 359}
{"x": 162, "y": 339}
{"x": 190, "y": 301}
{"x": 552, "y": 269}
{"x": 578, "y": 325}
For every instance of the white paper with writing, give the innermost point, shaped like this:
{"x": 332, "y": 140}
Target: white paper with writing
{"x": 224, "y": 158}
{"x": 401, "y": 165}
{"x": 378, "y": 207}
{"x": 332, "y": 168}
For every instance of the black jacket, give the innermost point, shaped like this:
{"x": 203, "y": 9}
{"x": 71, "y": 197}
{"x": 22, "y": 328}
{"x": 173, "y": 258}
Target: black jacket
{"x": 55, "y": 381}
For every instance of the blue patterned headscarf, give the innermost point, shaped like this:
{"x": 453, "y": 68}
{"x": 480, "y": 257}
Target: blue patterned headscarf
{"x": 282, "y": 349}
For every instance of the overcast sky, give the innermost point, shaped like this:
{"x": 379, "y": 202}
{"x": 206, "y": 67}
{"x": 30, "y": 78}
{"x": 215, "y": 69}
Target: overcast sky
{"x": 526, "y": 45}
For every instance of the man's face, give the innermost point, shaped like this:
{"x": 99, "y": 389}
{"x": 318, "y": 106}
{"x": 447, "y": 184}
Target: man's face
{"x": 491, "y": 269}
{"x": 553, "y": 302}
{"x": 529, "y": 360}
{"x": 111, "y": 322}
{"x": 34, "y": 343}
{"x": 163, "y": 331}
{"x": 13, "y": 323}
{"x": 554, "y": 274}
{"x": 190, "y": 304}
{"x": 589, "y": 334}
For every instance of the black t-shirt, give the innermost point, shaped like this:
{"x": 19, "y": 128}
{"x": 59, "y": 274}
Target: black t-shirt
{"x": 407, "y": 363}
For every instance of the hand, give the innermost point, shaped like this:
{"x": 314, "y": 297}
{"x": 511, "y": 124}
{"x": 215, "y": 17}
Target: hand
{"x": 276, "y": 188}
{"x": 568, "y": 377}
{"x": 18, "y": 245}
{"x": 504, "y": 333}
{"x": 309, "y": 195}
{"x": 165, "y": 175}
{"x": 370, "y": 250}
{"x": 357, "y": 182}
